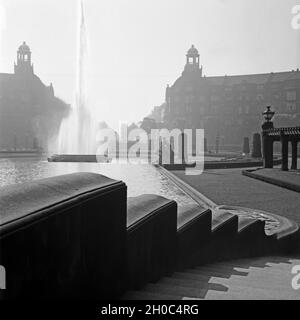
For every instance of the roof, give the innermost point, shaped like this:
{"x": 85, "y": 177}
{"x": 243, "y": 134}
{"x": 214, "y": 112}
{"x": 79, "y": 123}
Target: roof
{"x": 258, "y": 79}
{"x": 6, "y": 76}
{"x": 193, "y": 51}
{"x": 24, "y": 47}
{"x": 11, "y": 79}
{"x": 12, "y": 85}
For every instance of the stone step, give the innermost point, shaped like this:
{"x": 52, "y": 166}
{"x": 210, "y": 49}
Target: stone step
{"x": 222, "y": 284}
{"x": 279, "y": 278}
{"x": 274, "y": 284}
{"x": 237, "y": 296}
{"x": 192, "y": 283}
{"x": 180, "y": 291}
{"x": 242, "y": 273}
{"x": 193, "y": 233}
{"x": 234, "y": 291}
{"x": 242, "y": 293}
{"x": 216, "y": 272}
{"x": 224, "y": 220}
{"x": 246, "y": 267}
{"x": 226, "y": 281}
{"x": 224, "y": 232}
{"x": 242, "y": 270}
{"x": 194, "y": 276}
{"x": 273, "y": 259}
{"x": 259, "y": 263}
{"x": 145, "y": 295}
{"x": 192, "y": 213}
{"x": 250, "y": 224}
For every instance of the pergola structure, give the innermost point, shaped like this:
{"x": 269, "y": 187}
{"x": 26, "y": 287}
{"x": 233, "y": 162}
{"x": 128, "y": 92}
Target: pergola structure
{"x": 284, "y": 135}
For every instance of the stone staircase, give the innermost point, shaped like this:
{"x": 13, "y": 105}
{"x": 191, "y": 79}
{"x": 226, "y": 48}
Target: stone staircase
{"x": 220, "y": 255}
{"x": 225, "y": 232}
{"x": 255, "y": 278}
{"x": 218, "y": 235}
{"x": 201, "y": 242}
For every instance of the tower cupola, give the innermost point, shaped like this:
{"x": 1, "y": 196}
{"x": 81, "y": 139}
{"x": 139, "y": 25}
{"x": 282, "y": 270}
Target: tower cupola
{"x": 23, "y": 65}
{"x": 192, "y": 61}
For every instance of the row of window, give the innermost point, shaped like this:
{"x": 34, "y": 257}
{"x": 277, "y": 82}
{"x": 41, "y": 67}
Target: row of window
{"x": 289, "y": 107}
{"x": 290, "y": 96}
{"x": 258, "y": 88}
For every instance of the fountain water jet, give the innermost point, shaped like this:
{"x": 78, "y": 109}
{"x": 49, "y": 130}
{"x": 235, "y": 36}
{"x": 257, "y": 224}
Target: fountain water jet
{"x": 78, "y": 132}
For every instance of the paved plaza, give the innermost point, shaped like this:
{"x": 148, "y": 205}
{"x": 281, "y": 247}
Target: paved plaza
{"x": 230, "y": 187}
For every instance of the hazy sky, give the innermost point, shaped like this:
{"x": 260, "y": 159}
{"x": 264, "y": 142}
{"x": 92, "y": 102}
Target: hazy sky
{"x": 137, "y": 47}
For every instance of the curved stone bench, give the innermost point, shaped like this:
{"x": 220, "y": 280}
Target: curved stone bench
{"x": 64, "y": 237}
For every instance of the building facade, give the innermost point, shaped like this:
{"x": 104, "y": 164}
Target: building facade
{"x": 230, "y": 107}
{"x": 30, "y": 114}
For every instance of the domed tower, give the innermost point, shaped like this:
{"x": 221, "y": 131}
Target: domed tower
{"x": 24, "y": 65}
{"x": 192, "y": 62}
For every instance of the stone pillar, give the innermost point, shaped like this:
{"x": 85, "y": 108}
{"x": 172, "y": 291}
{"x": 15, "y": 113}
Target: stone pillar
{"x": 246, "y": 146}
{"x": 183, "y": 148}
{"x": 256, "y": 146}
{"x": 268, "y": 151}
{"x": 194, "y": 141}
{"x": 294, "y": 154}
{"x": 160, "y": 153}
{"x": 284, "y": 153}
{"x": 172, "y": 153}
{"x": 149, "y": 149}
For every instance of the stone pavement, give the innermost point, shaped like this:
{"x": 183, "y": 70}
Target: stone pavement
{"x": 286, "y": 179}
{"x": 265, "y": 278}
{"x": 230, "y": 187}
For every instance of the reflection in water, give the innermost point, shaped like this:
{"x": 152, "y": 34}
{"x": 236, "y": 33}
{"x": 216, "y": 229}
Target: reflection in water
{"x": 140, "y": 179}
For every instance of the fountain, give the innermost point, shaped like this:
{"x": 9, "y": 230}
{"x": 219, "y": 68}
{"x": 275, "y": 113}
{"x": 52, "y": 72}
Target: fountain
{"x": 77, "y": 135}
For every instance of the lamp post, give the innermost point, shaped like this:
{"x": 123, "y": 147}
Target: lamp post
{"x": 268, "y": 115}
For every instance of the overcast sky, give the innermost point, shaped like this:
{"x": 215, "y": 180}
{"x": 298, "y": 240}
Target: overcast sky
{"x": 137, "y": 47}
